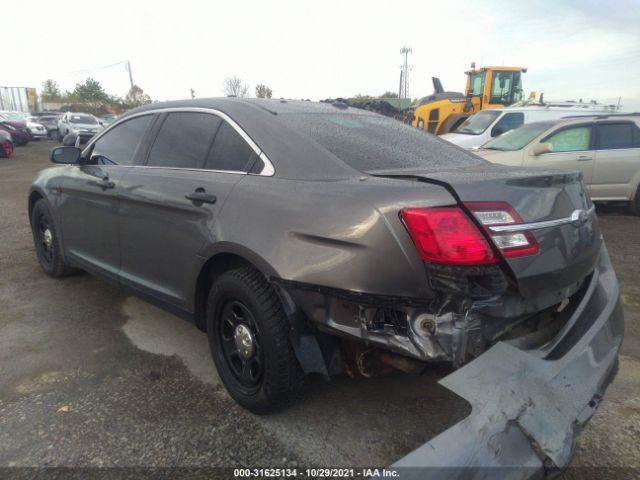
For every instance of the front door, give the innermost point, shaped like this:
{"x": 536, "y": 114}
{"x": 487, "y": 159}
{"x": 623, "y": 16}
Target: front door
{"x": 572, "y": 151}
{"x": 88, "y": 197}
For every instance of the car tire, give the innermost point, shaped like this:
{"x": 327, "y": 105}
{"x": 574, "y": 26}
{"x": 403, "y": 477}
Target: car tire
{"x": 6, "y": 149}
{"x": 249, "y": 340}
{"x": 47, "y": 241}
{"x": 634, "y": 206}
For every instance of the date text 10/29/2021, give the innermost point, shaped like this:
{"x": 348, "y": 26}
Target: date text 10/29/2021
{"x": 314, "y": 473}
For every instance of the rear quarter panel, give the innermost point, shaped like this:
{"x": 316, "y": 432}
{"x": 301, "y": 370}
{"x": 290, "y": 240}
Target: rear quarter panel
{"x": 343, "y": 234}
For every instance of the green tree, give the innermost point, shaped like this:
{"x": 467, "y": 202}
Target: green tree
{"x": 262, "y": 91}
{"x": 389, "y": 94}
{"x": 136, "y": 97}
{"x": 361, "y": 98}
{"x": 91, "y": 93}
{"x": 50, "y": 91}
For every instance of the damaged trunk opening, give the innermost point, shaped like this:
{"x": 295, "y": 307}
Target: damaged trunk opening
{"x": 463, "y": 320}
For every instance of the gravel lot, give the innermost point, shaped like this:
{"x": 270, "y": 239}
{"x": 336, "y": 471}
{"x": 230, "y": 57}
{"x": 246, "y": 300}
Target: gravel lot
{"x": 90, "y": 376}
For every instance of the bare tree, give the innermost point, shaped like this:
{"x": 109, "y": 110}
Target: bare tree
{"x": 136, "y": 97}
{"x": 50, "y": 91}
{"x": 233, "y": 87}
{"x": 263, "y": 91}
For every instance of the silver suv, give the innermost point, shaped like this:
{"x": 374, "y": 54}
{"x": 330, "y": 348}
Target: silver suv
{"x": 84, "y": 125}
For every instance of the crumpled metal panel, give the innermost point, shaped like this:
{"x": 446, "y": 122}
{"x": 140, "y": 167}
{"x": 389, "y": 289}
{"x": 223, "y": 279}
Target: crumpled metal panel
{"x": 528, "y": 406}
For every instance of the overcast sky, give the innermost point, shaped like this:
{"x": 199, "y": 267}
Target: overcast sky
{"x": 586, "y": 49}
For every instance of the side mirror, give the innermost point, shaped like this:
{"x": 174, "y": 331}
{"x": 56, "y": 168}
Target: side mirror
{"x": 497, "y": 131}
{"x": 542, "y": 148}
{"x": 66, "y": 155}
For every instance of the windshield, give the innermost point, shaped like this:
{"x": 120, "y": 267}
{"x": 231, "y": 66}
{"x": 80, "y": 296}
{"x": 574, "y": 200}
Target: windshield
{"x": 368, "y": 142}
{"x": 478, "y": 123}
{"x": 84, "y": 119}
{"x": 13, "y": 116}
{"x": 518, "y": 138}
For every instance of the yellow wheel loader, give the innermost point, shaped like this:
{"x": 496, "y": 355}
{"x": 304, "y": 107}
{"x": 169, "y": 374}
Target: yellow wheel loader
{"x": 487, "y": 87}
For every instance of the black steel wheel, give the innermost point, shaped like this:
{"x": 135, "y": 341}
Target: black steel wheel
{"x": 249, "y": 339}
{"x": 240, "y": 341}
{"x": 46, "y": 241}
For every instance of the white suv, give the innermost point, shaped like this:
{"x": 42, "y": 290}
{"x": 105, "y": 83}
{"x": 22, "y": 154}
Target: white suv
{"x": 487, "y": 124}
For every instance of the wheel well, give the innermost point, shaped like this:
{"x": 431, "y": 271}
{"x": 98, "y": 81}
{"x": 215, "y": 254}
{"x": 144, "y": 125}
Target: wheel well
{"x": 215, "y": 266}
{"x": 33, "y": 198}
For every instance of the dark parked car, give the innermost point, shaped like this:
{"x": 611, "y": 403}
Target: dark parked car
{"x": 20, "y": 134}
{"x": 50, "y": 122}
{"x": 314, "y": 238}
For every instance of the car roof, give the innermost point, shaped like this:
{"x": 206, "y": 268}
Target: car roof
{"x": 272, "y": 106}
{"x": 296, "y": 155}
{"x": 571, "y": 120}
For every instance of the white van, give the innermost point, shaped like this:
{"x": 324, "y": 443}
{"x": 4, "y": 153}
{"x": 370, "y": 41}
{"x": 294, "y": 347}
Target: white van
{"x": 481, "y": 127}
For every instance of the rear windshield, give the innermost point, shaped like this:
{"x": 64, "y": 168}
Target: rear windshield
{"x": 518, "y": 138}
{"x": 368, "y": 142}
{"x": 84, "y": 119}
{"x": 478, "y": 123}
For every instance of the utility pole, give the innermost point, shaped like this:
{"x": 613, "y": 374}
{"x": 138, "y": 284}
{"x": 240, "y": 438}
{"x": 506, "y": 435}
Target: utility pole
{"x": 128, "y": 67}
{"x": 193, "y": 93}
{"x": 404, "y": 77}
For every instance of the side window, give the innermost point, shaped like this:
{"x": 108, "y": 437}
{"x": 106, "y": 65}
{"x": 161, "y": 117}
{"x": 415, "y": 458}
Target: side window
{"x": 612, "y": 137}
{"x": 477, "y": 82}
{"x": 184, "y": 140}
{"x": 507, "y": 122}
{"x": 118, "y": 146}
{"x": 570, "y": 140}
{"x": 500, "y": 87}
{"x": 230, "y": 151}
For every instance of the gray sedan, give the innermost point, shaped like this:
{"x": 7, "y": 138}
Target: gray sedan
{"x": 316, "y": 238}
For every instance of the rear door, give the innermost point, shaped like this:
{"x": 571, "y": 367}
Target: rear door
{"x": 572, "y": 151}
{"x": 617, "y": 161}
{"x": 171, "y": 203}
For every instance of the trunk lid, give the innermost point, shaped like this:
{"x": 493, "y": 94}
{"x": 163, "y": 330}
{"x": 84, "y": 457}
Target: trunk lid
{"x": 568, "y": 250}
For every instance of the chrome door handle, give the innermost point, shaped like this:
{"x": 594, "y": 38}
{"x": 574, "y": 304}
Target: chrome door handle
{"x": 584, "y": 158}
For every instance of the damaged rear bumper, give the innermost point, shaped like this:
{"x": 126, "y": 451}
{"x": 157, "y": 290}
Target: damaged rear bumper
{"x": 528, "y": 406}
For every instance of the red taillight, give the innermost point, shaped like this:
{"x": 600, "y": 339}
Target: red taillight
{"x": 515, "y": 243}
{"x": 446, "y": 235}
